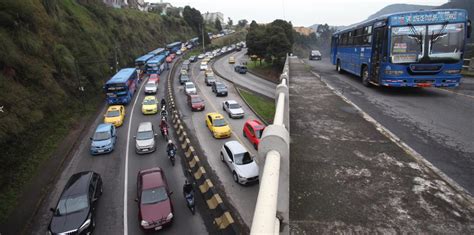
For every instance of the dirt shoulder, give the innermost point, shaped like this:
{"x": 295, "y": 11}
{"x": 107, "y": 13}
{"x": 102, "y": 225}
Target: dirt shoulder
{"x": 348, "y": 177}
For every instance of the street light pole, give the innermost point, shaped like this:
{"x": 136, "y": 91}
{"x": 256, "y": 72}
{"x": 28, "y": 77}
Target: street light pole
{"x": 202, "y": 31}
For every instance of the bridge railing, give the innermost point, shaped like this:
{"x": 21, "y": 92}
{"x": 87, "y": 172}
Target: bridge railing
{"x": 468, "y": 64}
{"x": 271, "y": 210}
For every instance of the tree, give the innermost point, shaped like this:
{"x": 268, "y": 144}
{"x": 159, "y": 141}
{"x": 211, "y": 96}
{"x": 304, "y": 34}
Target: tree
{"x": 229, "y": 22}
{"x": 242, "y": 23}
{"x": 256, "y": 40}
{"x": 193, "y": 18}
{"x": 218, "y": 25}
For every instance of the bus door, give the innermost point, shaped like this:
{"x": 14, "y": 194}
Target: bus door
{"x": 378, "y": 52}
{"x": 334, "y": 44}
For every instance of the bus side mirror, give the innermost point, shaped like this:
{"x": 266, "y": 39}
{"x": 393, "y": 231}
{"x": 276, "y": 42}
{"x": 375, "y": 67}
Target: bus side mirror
{"x": 469, "y": 29}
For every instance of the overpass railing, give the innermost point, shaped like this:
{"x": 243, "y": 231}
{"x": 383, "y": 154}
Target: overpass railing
{"x": 271, "y": 210}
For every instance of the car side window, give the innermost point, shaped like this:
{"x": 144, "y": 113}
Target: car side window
{"x": 252, "y": 132}
{"x": 229, "y": 153}
{"x": 210, "y": 119}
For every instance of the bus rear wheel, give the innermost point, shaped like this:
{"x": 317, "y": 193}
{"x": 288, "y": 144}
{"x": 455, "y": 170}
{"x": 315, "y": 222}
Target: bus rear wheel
{"x": 365, "y": 76}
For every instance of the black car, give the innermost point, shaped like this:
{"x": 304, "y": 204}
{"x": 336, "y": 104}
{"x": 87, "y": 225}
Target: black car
{"x": 192, "y": 59}
{"x": 183, "y": 78}
{"x": 242, "y": 69}
{"x": 315, "y": 55}
{"x": 219, "y": 88}
{"x": 75, "y": 211}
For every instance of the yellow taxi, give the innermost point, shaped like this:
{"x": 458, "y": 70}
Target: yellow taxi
{"x": 209, "y": 72}
{"x": 218, "y": 125}
{"x": 115, "y": 115}
{"x": 231, "y": 60}
{"x": 150, "y": 105}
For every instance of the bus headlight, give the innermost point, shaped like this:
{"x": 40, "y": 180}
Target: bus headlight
{"x": 452, "y": 71}
{"x": 394, "y": 72}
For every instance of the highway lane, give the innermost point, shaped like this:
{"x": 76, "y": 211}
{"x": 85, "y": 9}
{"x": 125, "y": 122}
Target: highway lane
{"x": 112, "y": 167}
{"x": 437, "y": 123}
{"x": 247, "y": 80}
{"x": 243, "y": 198}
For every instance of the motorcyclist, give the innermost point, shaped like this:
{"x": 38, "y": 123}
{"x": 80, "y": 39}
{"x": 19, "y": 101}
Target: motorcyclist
{"x": 164, "y": 113}
{"x": 170, "y": 146}
{"x": 187, "y": 188}
{"x": 163, "y": 103}
{"x": 163, "y": 125}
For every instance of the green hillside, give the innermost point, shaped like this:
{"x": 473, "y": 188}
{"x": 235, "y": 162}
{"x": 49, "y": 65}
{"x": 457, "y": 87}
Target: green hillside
{"x": 39, "y": 89}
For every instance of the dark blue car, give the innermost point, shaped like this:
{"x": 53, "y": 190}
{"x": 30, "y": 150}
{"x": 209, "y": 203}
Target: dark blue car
{"x": 103, "y": 140}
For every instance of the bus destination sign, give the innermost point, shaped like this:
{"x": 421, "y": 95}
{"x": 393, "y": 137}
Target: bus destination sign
{"x": 428, "y": 17}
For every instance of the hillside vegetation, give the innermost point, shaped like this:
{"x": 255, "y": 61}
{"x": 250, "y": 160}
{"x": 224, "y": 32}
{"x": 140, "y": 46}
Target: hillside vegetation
{"x": 40, "y": 42}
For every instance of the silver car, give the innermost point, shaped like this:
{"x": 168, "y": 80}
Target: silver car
{"x": 145, "y": 138}
{"x": 233, "y": 109}
{"x": 243, "y": 167}
{"x": 189, "y": 88}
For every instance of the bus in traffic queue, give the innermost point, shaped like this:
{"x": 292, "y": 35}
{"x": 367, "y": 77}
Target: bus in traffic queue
{"x": 174, "y": 47}
{"x": 409, "y": 49}
{"x": 159, "y": 51}
{"x": 156, "y": 64}
{"x": 120, "y": 88}
{"x": 140, "y": 63}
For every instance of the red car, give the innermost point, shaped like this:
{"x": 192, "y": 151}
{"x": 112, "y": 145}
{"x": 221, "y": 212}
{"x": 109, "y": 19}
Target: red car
{"x": 153, "y": 196}
{"x": 154, "y": 77}
{"x": 253, "y": 130}
{"x": 196, "y": 103}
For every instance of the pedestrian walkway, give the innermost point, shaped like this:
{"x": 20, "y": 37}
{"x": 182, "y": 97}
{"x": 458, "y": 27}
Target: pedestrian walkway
{"x": 348, "y": 177}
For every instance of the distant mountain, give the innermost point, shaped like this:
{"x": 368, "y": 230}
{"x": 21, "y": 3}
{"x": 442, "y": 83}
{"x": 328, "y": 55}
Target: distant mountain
{"x": 315, "y": 27}
{"x": 400, "y": 8}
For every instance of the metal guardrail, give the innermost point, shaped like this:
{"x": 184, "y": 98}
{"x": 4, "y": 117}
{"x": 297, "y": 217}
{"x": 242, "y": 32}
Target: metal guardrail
{"x": 271, "y": 209}
{"x": 467, "y": 63}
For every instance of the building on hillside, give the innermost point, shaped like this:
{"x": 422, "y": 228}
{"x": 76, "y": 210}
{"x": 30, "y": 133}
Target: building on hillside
{"x": 116, "y": 3}
{"x": 211, "y": 17}
{"x": 138, "y": 4}
{"x": 304, "y": 30}
{"x": 161, "y": 6}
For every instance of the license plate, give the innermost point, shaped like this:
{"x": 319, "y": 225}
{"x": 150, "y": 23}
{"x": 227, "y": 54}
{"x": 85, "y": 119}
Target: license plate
{"x": 100, "y": 150}
{"x": 158, "y": 228}
{"x": 144, "y": 150}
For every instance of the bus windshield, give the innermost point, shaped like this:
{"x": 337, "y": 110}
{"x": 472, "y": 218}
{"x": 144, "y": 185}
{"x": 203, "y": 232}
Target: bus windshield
{"x": 407, "y": 44}
{"x": 446, "y": 41}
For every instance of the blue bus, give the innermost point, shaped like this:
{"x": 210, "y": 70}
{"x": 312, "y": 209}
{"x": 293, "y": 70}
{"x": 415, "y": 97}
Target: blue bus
{"x": 156, "y": 64}
{"x": 159, "y": 51}
{"x": 120, "y": 88}
{"x": 141, "y": 61}
{"x": 409, "y": 49}
{"x": 174, "y": 47}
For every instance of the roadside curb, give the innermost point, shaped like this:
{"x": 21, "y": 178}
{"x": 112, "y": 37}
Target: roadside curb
{"x": 222, "y": 215}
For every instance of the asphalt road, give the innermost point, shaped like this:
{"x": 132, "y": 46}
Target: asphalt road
{"x": 243, "y": 198}
{"x": 247, "y": 80}
{"x": 437, "y": 123}
{"x": 112, "y": 168}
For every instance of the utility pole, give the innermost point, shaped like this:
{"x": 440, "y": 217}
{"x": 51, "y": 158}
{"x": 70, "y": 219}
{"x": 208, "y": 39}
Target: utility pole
{"x": 203, "y": 46}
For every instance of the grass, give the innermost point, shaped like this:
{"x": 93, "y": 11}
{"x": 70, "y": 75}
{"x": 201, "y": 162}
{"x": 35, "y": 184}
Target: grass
{"x": 263, "y": 106}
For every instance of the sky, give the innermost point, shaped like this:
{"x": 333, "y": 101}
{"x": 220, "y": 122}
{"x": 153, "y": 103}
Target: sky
{"x": 299, "y": 12}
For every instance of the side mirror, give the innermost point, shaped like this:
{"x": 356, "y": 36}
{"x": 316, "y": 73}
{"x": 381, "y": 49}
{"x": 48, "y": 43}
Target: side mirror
{"x": 469, "y": 29}
{"x": 171, "y": 192}
{"x": 136, "y": 199}
{"x": 134, "y": 137}
{"x": 52, "y": 210}
{"x": 230, "y": 160}
{"x": 90, "y": 138}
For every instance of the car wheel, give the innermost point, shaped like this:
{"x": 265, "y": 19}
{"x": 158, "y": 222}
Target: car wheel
{"x": 223, "y": 107}
{"x": 255, "y": 146}
{"x": 243, "y": 133}
{"x": 338, "y": 66}
{"x": 222, "y": 157}
{"x": 236, "y": 178}
{"x": 230, "y": 116}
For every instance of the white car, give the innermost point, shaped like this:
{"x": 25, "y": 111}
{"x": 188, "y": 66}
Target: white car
{"x": 145, "y": 138}
{"x": 179, "y": 52}
{"x": 189, "y": 88}
{"x": 151, "y": 88}
{"x": 203, "y": 66}
{"x": 244, "y": 169}
{"x": 233, "y": 109}
{"x": 201, "y": 56}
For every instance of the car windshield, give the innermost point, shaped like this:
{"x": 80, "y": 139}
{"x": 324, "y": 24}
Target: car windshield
{"x": 150, "y": 85}
{"x": 144, "y": 135}
{"x": 447, "y": 42}
{"x": 189, "y": 86}
{"x": 101, "y": 135}
{"x": 243, "y": 158}
{"x": 258, "y": 133}
{"x": 211, "y": 78}
{"x": 220, "y": 86}
{"x": 234, "y": 106}
{"x": 72, "y": 204}
{"x": 219, "y": 122}
{"x": 154, "y": 195}
{"x": 149, "y": 101}
{"x": 113, "y": 113}
{"x": 196, "y": 100}
{"x": 407, "y": 43}
{"x": 184, "y": 77}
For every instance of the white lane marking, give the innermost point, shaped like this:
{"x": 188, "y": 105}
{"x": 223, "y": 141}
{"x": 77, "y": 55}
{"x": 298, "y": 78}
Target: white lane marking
{"x": 394, "y": 138}
{"x": 125, "y": 182}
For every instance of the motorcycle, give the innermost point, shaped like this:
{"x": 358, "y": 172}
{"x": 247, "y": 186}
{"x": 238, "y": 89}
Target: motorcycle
{"x": 164, "y": 132}
{"x": 190, "y": 201}
{"x": 164, "y": 114}
{"x": 171, "y": 154}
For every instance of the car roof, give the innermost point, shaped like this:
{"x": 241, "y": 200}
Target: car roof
{"x": 77, "y": 184}
{"x": 145, "y": 126}
{"x": 153, "y": 75}
{"x": 114, "y": 107}
{"x": 215, "y": 115}
{"x": 188, "y": 83}
{"x": 255, "y": 123}
{"x": 103, "y": 127}
{"x": 194, "y": 96}
{"x": 235, "y": 147}
{"x": 232, "y": 102}
{"x": 152, "y": 178}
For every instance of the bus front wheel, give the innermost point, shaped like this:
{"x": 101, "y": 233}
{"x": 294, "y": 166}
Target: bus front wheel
{"x": 365, "y": 76}
{"x": 338, "y": 66}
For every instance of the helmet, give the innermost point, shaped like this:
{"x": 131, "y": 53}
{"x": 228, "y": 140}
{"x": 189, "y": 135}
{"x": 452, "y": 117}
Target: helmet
{"x": 170, "y": 142}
